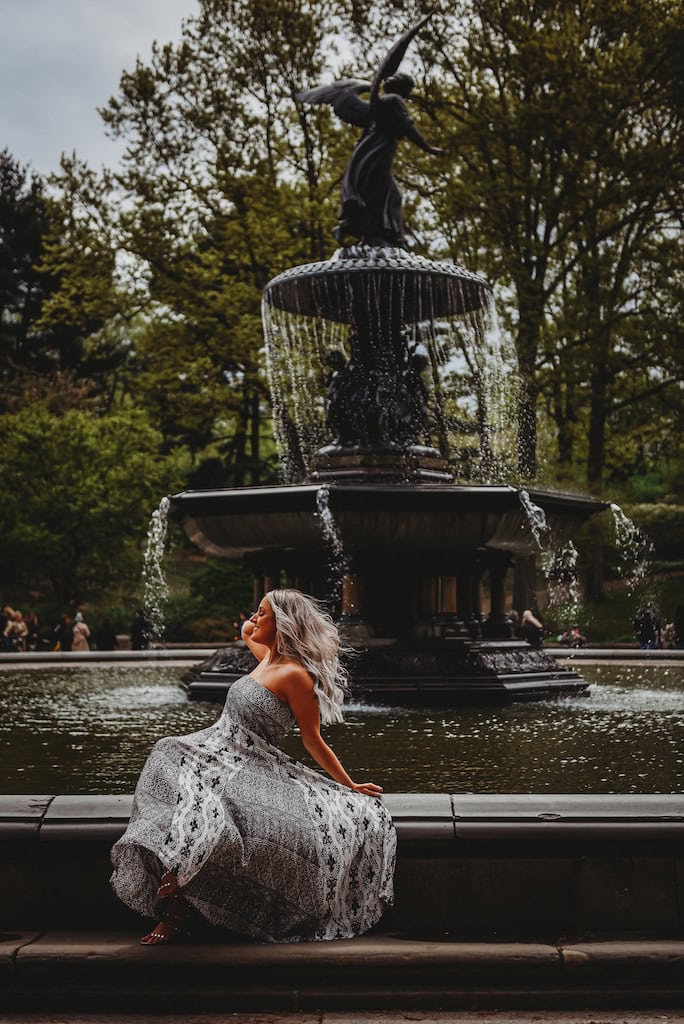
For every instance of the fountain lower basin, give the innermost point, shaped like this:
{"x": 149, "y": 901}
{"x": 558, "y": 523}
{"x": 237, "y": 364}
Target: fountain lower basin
{"x": 411, "y": 561}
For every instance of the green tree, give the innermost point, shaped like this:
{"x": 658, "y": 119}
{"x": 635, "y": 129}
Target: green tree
{"x": 561, "y": 183}
{"x": 27, "y": 349}
{"x": 78, "y": 491}
{"x": 565, "y": 150}
{"x": 65, "y": 360}
{"x": 223, "y": 185}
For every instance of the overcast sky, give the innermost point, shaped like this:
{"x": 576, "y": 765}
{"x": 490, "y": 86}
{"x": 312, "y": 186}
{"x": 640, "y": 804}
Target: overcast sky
{"x": 61, "y": 59}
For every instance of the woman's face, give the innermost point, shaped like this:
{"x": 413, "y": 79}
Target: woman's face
{"x": 264, "y": 631}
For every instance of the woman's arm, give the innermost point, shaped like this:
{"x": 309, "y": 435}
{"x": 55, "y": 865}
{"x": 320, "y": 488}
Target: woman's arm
{"x": 304, "y": 705}
{"x": 258, "y": 650}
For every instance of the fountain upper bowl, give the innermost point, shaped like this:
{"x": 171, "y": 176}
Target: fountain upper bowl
{"x": 437, "y": 520}
{"x": 421, "y": 287}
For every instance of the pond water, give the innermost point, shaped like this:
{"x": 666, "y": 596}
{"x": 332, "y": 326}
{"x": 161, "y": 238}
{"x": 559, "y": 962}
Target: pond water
{"x": 88, "y": 730}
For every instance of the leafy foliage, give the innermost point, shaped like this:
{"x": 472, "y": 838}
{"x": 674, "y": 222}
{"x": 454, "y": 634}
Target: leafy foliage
{"x": 78, "y": 492}
{"x": 139, "y": 288}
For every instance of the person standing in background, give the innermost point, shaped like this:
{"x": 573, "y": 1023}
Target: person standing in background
{"x": 81, "y": 634}
{"x": 105, "y": 636}
{"x": 32, "y": 627}
{"x": 64, "y": 634}
{"x": 140, "y": 634}
{"x": 17, "y": 631}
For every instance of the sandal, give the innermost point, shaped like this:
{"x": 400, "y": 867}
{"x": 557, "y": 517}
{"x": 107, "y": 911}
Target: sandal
{"x": 170, "y": 926}
{"x": 168, "y": 885}
{"x": 163, "y": 934}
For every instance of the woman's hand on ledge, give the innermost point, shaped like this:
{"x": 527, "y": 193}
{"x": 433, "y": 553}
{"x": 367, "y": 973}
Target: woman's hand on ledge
{"x": 367, "y": 789}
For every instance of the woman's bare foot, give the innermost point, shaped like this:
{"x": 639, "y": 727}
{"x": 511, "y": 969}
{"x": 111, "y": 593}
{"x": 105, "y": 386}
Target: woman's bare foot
{"x": 163, "y": 933}
{"x": 170, "y": 927}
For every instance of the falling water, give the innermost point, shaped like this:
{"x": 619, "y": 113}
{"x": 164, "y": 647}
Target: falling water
{"x": 497, "y": 388}
{"x": 470, "y": 381}
{"x": 296, "y": 349}
{"x": 536, "y": 518}
{"x": 635, "y": 549}
{"x": 560, "y": 569}
{"x": 337, "y": 561}
{"x": 558, "y": 562}
{"x": 155, "y": 587}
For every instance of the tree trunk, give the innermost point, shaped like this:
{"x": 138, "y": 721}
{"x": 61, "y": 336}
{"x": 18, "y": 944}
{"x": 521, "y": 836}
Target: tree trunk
{"x": 564, "y": 415}
{"x": 597, "y": 423}
{"x": 591, "y": 558}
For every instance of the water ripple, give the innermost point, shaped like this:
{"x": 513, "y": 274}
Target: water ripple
{"x": 78, "y": 730}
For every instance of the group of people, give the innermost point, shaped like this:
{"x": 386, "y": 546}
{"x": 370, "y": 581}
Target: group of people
{"x": 19, "y": 632}
{"x": 23, "y": 633}
{"x": 530, "y": 627}
{"x": 16, "y": 632}
{"x": 71, "y": 635}
{"x": 650, "y": 632}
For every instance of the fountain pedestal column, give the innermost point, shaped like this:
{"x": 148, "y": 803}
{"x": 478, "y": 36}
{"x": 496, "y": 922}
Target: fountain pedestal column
{"x": 353, "y": 627}
{"x": 497, "y": 623}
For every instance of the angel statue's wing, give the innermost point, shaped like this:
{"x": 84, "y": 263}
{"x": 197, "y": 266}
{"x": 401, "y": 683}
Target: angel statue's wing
{"x": 395, "y": 56}
{"x": 344, "y": 97}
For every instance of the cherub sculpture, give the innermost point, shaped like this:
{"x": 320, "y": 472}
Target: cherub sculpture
{"x": 370, "y": 206}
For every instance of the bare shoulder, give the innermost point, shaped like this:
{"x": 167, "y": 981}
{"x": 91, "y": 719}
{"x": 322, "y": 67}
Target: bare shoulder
{"x": 290, "y": 678}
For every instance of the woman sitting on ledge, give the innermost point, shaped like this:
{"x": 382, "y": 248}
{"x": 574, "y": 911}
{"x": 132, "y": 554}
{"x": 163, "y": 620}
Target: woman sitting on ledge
{"x": 226, "y": 826}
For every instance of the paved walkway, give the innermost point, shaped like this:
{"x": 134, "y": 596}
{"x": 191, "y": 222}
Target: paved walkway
{"x": 396, "y": 1017}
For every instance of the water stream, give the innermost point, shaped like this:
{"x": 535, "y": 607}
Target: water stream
{"x": 155, "y": 588}
{"x": 635, "y": 549}
{"x": 337, "y": 561}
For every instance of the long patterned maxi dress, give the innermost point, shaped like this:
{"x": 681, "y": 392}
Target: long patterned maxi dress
{"x": 262, "y": 845}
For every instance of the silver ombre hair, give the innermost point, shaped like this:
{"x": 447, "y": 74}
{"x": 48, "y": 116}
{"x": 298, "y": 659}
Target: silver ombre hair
{"x": 307, "y": 634}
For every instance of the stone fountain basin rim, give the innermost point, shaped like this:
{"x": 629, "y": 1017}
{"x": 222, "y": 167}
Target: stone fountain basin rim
{"x": 358, "y": 259}
{"x": 371, "y": 519}
{"x": 324, "y": 289}
{"x": 303, "y": 497}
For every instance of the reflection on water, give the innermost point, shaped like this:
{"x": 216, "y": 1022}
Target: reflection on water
{"x": 88, "y": 729}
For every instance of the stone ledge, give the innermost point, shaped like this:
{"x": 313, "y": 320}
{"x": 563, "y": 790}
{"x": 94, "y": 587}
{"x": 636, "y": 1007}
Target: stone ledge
{"x": 107, "y": 971}
{"x": 10, "y": 659}
{"x": 419, "y": 817}
{"x": 645, "y": 959}
{"x": 199, "y": 652}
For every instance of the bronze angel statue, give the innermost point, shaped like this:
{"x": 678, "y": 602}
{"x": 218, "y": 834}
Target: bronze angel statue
{"x": 370, "y": 206}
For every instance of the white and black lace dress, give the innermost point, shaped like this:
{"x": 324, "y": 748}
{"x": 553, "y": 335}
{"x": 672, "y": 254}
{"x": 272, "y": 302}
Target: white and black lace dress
{"x": 261, "y": 844}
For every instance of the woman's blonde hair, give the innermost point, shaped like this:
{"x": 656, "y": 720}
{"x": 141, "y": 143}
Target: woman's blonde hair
{"x": 306, "y": 633}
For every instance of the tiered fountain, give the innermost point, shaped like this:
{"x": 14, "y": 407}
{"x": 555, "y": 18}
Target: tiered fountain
{"x": 362, "y": 348}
